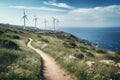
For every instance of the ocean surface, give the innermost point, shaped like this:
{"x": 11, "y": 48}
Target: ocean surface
{"x": 106, "y": 38}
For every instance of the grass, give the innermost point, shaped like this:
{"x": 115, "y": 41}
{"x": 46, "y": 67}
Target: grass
{"x": 9, "y": 44}
{"x": 61, "y": 49}
{"x": 21, "y": 63}
{"x": 17, "y": 61}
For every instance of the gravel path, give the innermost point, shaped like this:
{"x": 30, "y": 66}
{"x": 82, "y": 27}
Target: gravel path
{"x": 52, "y": 71}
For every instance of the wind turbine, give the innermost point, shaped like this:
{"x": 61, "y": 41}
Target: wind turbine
{"x": 57, "y": 22}
{"x": 45, "y": 21}
{"x": 35, "y": 19}
{"x": 54, "y": 21}
{"x": 24, "y": 19}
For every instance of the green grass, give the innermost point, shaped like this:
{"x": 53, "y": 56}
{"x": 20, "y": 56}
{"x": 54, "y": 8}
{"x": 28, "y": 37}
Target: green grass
{"x": 9, "y": 44}
{"x": 60, "y": 50}
{"x": 17, "y": 61}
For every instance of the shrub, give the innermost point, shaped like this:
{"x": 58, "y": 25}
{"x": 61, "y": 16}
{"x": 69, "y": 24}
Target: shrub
{"x": 118, "y": 52}
{"x": 1, "y": 32}
{"x": 13, "y": 36}
{"x": 101, "y": 51}
{"x": 115, "y": 58}
{"x": 39, "y": 36}
{"x": 16, "y": 37}
{"x": 70, "y": 44}
{"x": 83, "y": 50}
{"x": 79, "y": 55}
{"x": 5, "y": 43}
{"x": 82, "y": 47}
{"x": 44, "y": 40}
{"x": 89, "y": 54}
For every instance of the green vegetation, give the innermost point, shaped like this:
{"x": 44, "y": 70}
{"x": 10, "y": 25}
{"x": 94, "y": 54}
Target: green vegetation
{"x": 62, "y": 49}
{"x": 17, "y": 61}
{"x": 101, "y": 51}
{"x": 6, "y": 43}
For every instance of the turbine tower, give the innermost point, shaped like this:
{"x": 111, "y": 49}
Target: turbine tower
{"x": 54, "y": 21}
{"x": 57, "y": 22}
{"x": 45, "y": 21}
{"x": 35, "y": 19}
{"x": 24, "y": 19}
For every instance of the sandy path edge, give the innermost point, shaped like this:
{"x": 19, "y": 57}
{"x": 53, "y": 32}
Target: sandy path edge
{"x": 52, "y": 71}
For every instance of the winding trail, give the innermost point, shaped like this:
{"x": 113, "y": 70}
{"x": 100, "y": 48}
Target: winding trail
{"x": 52, "y": 71}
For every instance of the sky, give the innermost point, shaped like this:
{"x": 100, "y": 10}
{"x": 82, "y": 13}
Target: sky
{"x": 71, "y": 13}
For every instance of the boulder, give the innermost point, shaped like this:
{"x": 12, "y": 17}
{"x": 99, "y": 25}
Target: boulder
{"x": 90, "y": 63}
{"x": 79, "y": 55}
{"x": 108, "y": 62}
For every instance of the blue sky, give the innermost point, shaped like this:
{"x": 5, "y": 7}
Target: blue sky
{"x": 71, "y": 13}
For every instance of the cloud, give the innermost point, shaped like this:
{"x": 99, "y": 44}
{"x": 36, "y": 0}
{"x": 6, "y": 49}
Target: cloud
{"x": 98, "y": 16}
{"x": 107, "y": 16}
{"x": 38, "y": 8}
{"x": 62, "y": 5}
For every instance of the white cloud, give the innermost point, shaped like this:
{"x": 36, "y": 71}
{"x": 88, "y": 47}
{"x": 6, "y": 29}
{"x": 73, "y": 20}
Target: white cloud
{"x": 62, "y": 5}
{"x": 98, "y": 16}
{"x": 38, "y": 8}
{"x": 82, "y": 17}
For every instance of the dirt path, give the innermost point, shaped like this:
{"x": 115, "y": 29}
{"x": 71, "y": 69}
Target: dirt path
{"x": 51, "y": 70}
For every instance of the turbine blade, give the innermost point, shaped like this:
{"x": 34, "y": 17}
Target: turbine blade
{"x": 21, "y": 19}
{"x": 26, "y": 18}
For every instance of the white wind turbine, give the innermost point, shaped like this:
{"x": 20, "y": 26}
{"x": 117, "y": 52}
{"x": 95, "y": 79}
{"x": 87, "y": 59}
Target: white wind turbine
{"x": 36, "y": 21}
{"x": 54, "y": 21}
{"x": 57, "y": 22}
{"x": 24, "y": 19}
{"x": 45, "y": 22}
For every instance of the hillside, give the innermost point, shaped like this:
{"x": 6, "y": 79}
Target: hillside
{"x": 77, "y": 56}
{"x": 17, "y": 61}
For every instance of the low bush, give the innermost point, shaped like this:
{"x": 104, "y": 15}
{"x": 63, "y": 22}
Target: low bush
{"x": 82, "y": 47}
{"x": 1, "y": 32}
{"x": 16, "y": 37}
{"x": 89, "y": 54}
{"x": 114, "y": 58}
{"x": 6, "y": 43}
{"x": 69, "y": 44}
{"x": 101, "y": 51}
{"x": 13, "y": 36}
{"x": 45, "y": 40}
{"x": 79, "y": 55}
{"x": 118, "y": 52}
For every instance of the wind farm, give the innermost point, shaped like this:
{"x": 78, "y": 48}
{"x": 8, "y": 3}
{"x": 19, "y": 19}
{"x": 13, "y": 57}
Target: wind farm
{"x": 25, "y": 18}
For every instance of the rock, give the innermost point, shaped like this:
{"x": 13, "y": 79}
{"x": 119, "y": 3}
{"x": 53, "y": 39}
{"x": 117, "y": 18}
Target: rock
{"x": 118, "y": 64}
{"x": 79, "y": 55}
{"x": 44, "y": 46}
{"x": 72, "y": 57}
{"x": 109, "y": 62}
{"x": 90, "y": 63}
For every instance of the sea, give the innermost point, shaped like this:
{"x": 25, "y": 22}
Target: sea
{"x": 106, "y": 38}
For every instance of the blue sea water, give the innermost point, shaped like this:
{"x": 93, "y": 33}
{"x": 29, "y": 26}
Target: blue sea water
{"x": 107, "y": 38}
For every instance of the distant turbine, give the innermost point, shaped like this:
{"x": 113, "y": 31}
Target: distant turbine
{"x": 35, "y": 19}
{"x": 24, "y": 19}
{"x": 54, "y": 21}
{"x": 57, "y": 22}
{"x": 45, "y": 21}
